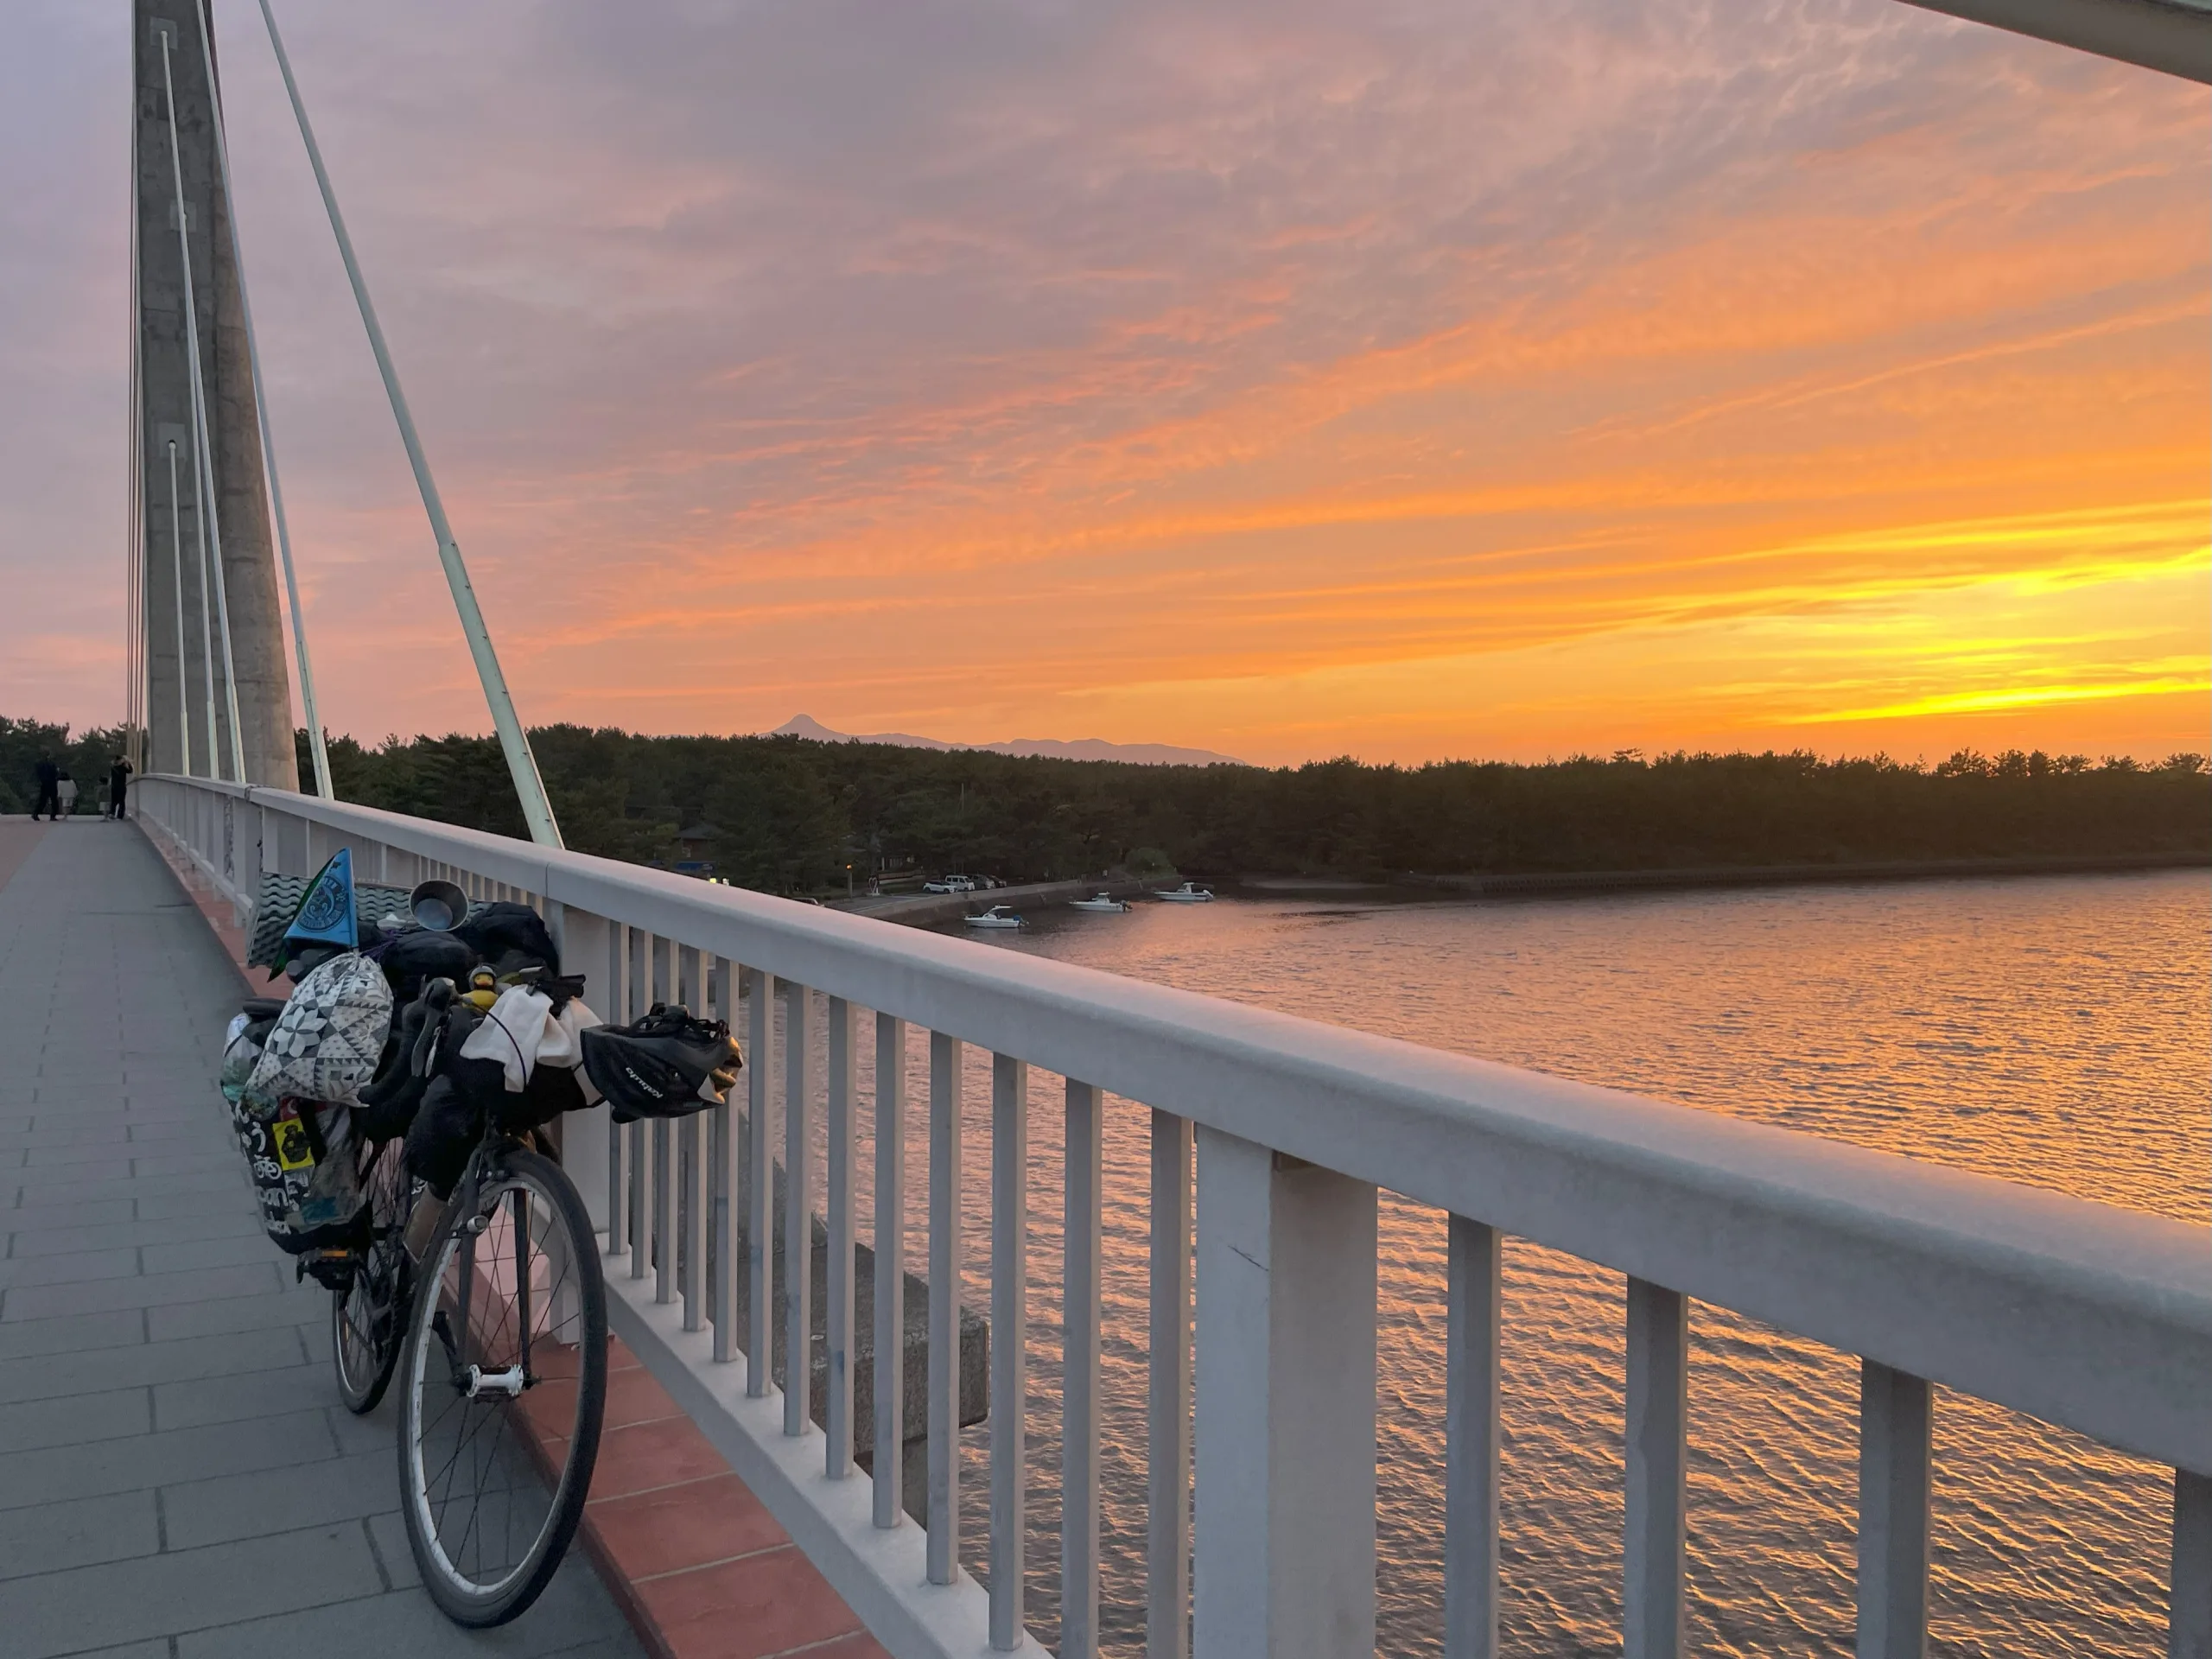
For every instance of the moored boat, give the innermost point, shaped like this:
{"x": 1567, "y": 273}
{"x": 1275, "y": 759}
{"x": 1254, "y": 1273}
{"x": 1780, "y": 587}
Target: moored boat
{"x": 1098, "y": 901}
{"x": 1189, "y": 893}
{"x": 996, "y": 916}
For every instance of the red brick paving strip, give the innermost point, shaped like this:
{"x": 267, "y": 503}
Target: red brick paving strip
{"x": 695, "y": 1560}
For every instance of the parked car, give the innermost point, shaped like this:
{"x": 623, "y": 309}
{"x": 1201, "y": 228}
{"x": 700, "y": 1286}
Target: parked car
{"x": 951, "y": 884}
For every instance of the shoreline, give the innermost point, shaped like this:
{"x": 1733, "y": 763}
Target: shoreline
{"x": 928, "y": 910}
{"x": 1536, "y": 884}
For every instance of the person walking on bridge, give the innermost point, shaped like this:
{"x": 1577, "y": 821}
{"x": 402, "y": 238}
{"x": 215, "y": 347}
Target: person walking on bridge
{"x": 118, "y": 785}
{"x": 49, "y": 789}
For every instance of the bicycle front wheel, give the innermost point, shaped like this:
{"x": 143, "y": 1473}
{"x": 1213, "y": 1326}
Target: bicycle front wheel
{"x": 504, "y": 1386}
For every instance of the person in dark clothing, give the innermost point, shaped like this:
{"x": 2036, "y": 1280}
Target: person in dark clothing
{"x": 118, "y": 785}
{"x": 49, "y": 789}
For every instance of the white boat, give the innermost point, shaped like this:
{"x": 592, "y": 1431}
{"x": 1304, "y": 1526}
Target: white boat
{"x": 1189, "y": 893}
{"x": 1102, "y": 901}
{"x": 996, "y": 916}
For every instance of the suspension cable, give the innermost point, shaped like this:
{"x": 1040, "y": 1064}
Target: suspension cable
{"x": 211, "y": 524}
{"x": 176, "y": 552}
{"x": 133, "y": 518}
{"x": 261, "y": 410}
{"x": 521, "y": 765}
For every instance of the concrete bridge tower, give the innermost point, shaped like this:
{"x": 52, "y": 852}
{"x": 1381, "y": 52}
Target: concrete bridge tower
{"x": 187, "y": 286}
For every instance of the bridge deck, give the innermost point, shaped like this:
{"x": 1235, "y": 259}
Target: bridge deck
{"x": 177, "y": 1479}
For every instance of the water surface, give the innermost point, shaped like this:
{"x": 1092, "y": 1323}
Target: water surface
{"x": 2050, "y": 1031}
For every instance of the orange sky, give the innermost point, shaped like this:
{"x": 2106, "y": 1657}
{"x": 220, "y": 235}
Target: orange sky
{"x": 1410, "y": 381}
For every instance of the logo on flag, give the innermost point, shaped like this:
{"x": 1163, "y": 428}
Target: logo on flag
{"x": 326, "y": 915}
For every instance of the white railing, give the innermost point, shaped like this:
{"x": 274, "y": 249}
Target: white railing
{"x": 2083, "y": 1315}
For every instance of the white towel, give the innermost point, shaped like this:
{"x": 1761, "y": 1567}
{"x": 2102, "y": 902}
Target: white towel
{"x": 522, "y": 1032}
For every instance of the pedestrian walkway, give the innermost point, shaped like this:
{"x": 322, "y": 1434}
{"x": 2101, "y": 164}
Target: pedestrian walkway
{"x": 177, "y": 1479}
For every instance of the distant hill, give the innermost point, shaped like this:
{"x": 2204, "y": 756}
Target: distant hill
{"x": 1083, "y": 748}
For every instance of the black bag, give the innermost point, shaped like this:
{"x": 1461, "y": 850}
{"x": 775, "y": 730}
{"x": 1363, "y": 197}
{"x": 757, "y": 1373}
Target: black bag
{"x": 510, "y": 937}
{"x": 411, "y": 959}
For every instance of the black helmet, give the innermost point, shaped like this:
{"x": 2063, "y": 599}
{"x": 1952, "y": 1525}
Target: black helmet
{"x": 667, "y": 1064}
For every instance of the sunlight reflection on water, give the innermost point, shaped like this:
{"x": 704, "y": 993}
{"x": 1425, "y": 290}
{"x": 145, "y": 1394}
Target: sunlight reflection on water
{"x": 2053, "y": 1032}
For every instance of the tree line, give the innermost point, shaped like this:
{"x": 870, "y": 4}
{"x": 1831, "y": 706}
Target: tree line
{"x": 785, "y": 815}
{"x": 790, "y": 815}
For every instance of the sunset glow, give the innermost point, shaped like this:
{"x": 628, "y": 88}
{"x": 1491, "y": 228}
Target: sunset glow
{"x": 1407, "y": 381}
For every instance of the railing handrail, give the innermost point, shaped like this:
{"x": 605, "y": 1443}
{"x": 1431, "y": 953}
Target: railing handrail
{"x": 2083, "y": 1315}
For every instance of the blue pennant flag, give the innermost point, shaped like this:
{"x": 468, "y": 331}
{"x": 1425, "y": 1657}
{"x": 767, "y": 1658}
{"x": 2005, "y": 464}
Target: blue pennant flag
{"x": 326, "y": 916}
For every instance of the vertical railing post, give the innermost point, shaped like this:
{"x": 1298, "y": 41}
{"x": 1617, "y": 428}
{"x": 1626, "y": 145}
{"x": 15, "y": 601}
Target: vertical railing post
{"x": 1079, "y": 1376}
{"x": 1471, "y": 1442}
{"x": 1895, "y": 1434}
{"x": 614, "y": 999}
{"x": 1167, "y": 1426}
{"x": 1658, "y": 1399}
{"x": 722, "y": 1273}
{"x": 944, "y": 1522}
{"x": 1009, "y": 1343}
{"x": 2189, "y": 1611}
{"x": 643, "y": 1222}
{"x": 761, "y": 1198}
{"x": 799, "y": 1217}
{"x": 580, "y": 938}
{"x": 693, "y": 1164}
{"x": 890, "y": 1373}
{"x": 1286, "y": 1406}
{"x": 837, "y": 1293}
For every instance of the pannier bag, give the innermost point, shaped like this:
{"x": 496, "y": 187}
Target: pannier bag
{"x": 325, "y": 1044}
{"x": 301, "y": 1155}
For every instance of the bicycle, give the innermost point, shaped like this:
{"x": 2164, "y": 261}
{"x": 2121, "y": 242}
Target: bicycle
{"x": 495, "y": 1324}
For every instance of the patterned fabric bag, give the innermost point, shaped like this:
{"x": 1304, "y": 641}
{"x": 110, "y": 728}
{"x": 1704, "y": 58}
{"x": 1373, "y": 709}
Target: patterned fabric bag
{"x": 327, "y": 1042}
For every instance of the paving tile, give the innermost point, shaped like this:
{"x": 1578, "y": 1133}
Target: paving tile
{"x": 157, "y": 1459}
{"x": 71, "y": 1419}
{"x": 139, "y": 1290}
{"x": 48, "y": 1375}
{"x": 171, "y": 1229}
{"x": 277, "y": 1499}
{"x": 268, "y": 1391}
{"x": 65, "y": 1612}
{"x": 224, "y": 1160}
{"x": 238, "y": 1200}
{"x": 388, "y": 1533}
{"x": 232, "y": 1313}
{"x": 138, "y": 1188}
{"x": 747, "y": 1609}
{"x": 677, "y": 1527}
{"x": 75, "y": 1269}
{"x": 569, "y": 1619}
{"x": 116, "y": 1329}
{"x": 35, "y": 1218}
{"x": 653, "y": 1454}
{"x": 78, "y": 1532}
{"x": 161, "y": 1132}
{"x": 236, "y": 1249}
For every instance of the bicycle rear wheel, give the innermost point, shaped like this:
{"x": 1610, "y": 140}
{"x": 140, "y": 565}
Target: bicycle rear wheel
{"x": 503, "y": 1390}
{"x": 366, "y": 1316}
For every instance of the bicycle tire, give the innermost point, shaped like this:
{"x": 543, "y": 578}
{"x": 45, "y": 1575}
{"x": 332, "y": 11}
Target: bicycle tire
{"x": 452, "y": 1398}
{"x": 367, "y": 1318}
